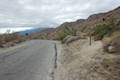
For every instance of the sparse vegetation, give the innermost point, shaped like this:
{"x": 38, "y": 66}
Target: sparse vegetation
{"x": 66, "y": 31}
{"x": 10, "y": 39}
{"x": 101, "y": 30}
{"x": 105, "y": 29}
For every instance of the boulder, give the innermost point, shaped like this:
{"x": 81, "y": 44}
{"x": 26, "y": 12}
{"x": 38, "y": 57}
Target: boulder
{"x": 113, "y": 46}
{"x": 111, "y": 49}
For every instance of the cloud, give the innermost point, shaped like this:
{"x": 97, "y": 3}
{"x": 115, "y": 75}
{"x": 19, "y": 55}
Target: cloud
{"x": 49, "y": 13}
{"x": 11, "y": 30}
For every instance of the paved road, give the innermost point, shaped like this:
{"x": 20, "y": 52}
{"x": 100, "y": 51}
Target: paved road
{"x": 31, "y": 60}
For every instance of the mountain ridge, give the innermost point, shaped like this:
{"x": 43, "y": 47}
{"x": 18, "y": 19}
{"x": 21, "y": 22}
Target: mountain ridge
{"x": 85, "y": 25}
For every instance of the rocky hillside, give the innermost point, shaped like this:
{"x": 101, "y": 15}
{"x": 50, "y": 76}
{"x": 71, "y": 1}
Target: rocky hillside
{"x": 85, "y": 24}
{"x": 111, "y": 18}
{"x": 110, "y": 22}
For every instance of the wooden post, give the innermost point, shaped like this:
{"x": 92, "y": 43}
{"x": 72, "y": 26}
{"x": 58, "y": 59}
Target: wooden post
{"x": 90, "y": 42}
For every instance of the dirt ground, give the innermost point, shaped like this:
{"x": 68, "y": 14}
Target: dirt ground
{"x": 80, "y": 61}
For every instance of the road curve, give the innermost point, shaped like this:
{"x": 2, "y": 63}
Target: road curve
{"x": 33, "y": 60}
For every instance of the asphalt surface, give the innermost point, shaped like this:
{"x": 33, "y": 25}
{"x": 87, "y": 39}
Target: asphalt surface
{"x": 32, "y": 60}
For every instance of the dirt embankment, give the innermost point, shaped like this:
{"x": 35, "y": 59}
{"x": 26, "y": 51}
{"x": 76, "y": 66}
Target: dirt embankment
{"x": 80, "y": 61}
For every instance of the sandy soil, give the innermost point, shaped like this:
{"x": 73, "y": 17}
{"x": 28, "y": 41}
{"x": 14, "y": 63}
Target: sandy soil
{"x": 80, "y": 61}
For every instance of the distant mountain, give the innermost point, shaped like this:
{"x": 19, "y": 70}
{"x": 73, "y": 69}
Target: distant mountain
{"x": 48, "y": 30}
{"x": 30, "y": 31}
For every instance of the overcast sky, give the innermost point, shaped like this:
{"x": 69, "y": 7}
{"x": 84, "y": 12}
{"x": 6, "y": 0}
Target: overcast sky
{"x": 49, "y": 13}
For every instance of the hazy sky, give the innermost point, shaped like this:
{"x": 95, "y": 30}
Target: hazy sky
{"x": 49, "y": 13}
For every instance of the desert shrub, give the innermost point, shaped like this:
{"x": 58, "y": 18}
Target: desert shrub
{"x": 103, "y": 29}
{"x": 66, "y": 31}
{"x": 69, "y": 39}
{"x": 10, "y": 38}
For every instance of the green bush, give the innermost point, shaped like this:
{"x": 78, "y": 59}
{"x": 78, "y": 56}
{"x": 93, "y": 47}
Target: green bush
{"x": 102, "y": 30}
{"x": 65, "y": 32}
